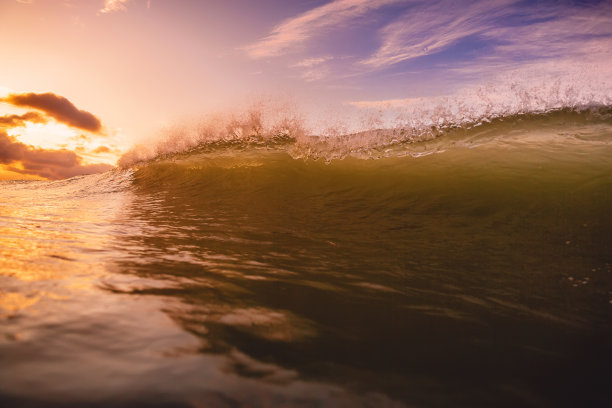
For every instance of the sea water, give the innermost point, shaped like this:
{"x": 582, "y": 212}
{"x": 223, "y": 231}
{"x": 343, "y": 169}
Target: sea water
{"x": 469, "y": 266}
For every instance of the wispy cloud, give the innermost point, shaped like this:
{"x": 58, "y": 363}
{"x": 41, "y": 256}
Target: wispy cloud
{"x": 111, "y": 6}
{"x": 58, "y": 108}
{"x": 513, "y": 31}
{"x": 434, "y": 27}
{"x": 310, "y": 62}
{"x": 384, "y": 104}
{"x": 477, "y": 35}
{"x": 315, "y": 74}
{"x": 301, "y": 28}
{"x": 580, "y": 32}
{"x": 313, "y": 69}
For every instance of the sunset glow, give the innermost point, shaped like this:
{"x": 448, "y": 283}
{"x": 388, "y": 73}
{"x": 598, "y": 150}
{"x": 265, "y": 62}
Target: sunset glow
{"x": 141, "y": 66}
{"x": 305, "y": 203}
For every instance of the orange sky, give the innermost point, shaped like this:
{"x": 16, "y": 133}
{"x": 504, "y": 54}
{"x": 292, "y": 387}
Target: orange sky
{"x": 140, "y": 65}
{"x": 51, "y": 139}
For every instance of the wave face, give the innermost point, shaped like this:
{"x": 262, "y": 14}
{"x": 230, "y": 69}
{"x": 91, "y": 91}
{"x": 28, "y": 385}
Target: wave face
{"x": 468, "y": 266}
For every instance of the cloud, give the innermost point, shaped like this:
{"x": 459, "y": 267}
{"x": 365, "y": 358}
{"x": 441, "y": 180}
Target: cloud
{"x": 434, "y": 27}
{"x": 312, "y": 75}
{"x": 19, "y": 157}
{"x": 313, "y": 69}
{"x": 310, "y": 62}
{"x": 301, "y": 28}
{"x": 58, "y": 108}
{"x": 111, "y": 6}
{"x": 385, "y": 104}
{"x": 51, "y": 164}
{"x": 20, "y": 120}
{"x": 492, "y": 33}
{"x": 514, "y": 33}
{"x": 580, "y": 32}
{"x": 102, "y": 149}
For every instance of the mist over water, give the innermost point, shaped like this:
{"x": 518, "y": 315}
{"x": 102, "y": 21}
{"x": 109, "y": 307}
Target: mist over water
{"x": 455, "y": 253}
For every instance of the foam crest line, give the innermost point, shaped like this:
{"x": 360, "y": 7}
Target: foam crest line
{"x": 289, "y": 136}
{"x": 365, "y": 128}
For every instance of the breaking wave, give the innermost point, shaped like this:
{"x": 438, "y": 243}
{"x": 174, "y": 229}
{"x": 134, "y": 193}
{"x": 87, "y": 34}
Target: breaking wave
{"x": 374, "y": 130}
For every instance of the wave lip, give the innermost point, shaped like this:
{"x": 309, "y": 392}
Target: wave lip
{"x": 414, "y": 139}
{"x": 369, "y": 130}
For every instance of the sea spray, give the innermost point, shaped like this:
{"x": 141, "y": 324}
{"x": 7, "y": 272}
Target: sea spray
{"x": 377, "y": 126}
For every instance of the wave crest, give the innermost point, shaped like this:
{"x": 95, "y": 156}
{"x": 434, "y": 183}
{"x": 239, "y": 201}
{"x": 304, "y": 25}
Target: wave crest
{"x": 374, "y": 131}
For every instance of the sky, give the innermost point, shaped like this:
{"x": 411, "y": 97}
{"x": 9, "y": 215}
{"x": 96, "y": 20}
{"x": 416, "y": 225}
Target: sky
{"x": 81, "y": 81}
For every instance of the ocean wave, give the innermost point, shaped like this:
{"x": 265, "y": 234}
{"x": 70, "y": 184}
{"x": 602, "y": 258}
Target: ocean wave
{"x": 377, "y": 129}
{"x": 414, "y": 140}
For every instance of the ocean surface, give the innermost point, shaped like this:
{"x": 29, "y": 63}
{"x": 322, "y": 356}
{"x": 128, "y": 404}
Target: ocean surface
{"x": 468, "y": 265}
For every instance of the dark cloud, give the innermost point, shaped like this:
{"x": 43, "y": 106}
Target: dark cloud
{"x": 52, "y": 164}
{"x": 20, "y": 120}
{"x": 58, "y": 108}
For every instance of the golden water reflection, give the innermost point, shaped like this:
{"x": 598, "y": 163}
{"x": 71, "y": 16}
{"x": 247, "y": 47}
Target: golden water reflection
{"x": 392, "y": 285}
{"x": 53, "y": 244}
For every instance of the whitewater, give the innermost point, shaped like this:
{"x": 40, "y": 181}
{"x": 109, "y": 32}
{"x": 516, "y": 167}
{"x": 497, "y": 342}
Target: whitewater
{"x": 454, "y": 252}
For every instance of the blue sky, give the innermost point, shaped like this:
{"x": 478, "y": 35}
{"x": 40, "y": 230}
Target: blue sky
{"x": 360, "y": 49}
